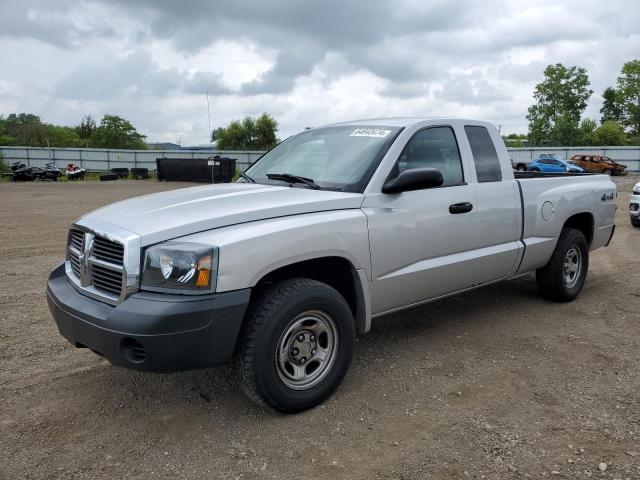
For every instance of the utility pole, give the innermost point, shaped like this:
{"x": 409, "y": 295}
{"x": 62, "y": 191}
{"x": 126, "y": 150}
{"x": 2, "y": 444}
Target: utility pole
{"x": 209, "y": 118}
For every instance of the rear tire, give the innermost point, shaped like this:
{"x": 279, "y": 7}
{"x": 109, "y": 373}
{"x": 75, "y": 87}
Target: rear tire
{"x": 290, "y": 326}
{"x": 562, "y": 278}
{"x": 635, "y": 221}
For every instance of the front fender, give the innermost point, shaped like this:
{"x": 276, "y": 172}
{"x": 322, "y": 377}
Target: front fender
{"x": 249, "y": 251}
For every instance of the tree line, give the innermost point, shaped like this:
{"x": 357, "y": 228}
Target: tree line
{"x": 26, "y": 129}
{"x": 555, "y": 119}
{"x": 247, "y": 134}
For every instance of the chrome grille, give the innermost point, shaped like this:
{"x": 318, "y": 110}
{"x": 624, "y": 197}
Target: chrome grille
{"x": 107, "y": 250}
{"x": 76, "y": 245}
{"x": 96, "y": 264}
{"x": 106, "y": 279}
{"x": 76, "y": 239}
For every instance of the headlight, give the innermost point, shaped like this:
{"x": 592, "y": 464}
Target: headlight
{"x": 187, "y": 267}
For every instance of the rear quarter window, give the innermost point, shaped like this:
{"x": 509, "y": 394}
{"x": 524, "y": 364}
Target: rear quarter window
{"x": 484, "y": 153}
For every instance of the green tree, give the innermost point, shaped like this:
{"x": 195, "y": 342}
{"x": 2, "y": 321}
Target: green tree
{"x": 265, "y": 135}
{"x": 586, "y": 134}
{"x": 248, "y": 134}
{"x": 515, "y": 140}
{"x": 87, "y": 127}
{"x": 628, "y": 88}
{"x": 560, "y": 100}
{"x": 611, "y": 108}
{"x": 116, "y": 132}
{"x": 610, "y": 133}
{"x": 58, "y": 136}
{"x": 5, "y": 138}
{"x": 26, "y": 129}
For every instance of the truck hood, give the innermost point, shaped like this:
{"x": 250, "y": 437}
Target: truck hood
{"x": 166, "y": 215}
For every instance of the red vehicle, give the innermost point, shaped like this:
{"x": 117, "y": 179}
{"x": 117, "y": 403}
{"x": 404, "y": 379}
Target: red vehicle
{"x": 599, "y": 164}
{"x": 74, "y": 172}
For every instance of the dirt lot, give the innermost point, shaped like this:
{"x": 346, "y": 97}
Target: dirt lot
{"x": 494, "y": 384}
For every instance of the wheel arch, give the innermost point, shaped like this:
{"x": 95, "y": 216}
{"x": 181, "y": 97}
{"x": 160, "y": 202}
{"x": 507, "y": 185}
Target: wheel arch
{"x": 337, "y": 272}
{"x": 584, "y": 222}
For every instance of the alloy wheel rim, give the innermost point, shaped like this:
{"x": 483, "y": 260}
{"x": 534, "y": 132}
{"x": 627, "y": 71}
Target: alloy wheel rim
{"x": 572, "y": 266}
{"x": 306, "y": 350}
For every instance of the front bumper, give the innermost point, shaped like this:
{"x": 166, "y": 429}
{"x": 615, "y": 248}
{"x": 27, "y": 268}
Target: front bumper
{"x": 634, "y": 206}
{"x": 150, "y": 331}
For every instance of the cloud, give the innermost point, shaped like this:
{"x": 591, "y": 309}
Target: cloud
{"x": 307, "y": 63}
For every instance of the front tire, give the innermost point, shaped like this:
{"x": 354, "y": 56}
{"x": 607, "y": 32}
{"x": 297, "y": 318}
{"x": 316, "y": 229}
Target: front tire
{"x": 562, "y": 278}
{"x": 296, "y": 346}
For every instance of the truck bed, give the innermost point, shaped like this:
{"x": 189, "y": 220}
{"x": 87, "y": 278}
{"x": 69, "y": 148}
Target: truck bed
{"x": 521, "y": 175}
{"x": 549, "y": 199}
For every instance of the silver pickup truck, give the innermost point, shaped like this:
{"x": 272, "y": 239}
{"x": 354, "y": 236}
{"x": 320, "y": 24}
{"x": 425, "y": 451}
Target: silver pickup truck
{"x": 334, "y": 227}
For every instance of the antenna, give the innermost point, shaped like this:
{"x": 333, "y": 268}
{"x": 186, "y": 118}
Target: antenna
{"x": 209, "y": 118}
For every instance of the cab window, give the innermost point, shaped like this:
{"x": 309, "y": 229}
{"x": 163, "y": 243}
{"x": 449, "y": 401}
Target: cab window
{"x": 484, "y": 153}
{"x": 434, "y": 147}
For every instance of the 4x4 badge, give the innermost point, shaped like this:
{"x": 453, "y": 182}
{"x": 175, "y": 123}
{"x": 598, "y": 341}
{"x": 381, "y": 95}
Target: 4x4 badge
{"x": 606, "y": 197}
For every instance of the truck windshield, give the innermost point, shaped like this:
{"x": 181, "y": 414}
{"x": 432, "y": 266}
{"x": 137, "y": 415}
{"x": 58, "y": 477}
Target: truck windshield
{"x": 334, "y": 158}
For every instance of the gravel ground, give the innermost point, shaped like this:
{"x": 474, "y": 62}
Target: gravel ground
{"x": 494, "y": 384}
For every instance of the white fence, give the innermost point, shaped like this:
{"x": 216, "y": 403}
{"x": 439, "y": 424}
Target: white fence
{"x": 104, "y": 160}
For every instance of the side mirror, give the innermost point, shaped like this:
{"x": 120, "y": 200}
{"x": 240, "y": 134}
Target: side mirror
{"x": 414, "y": 179}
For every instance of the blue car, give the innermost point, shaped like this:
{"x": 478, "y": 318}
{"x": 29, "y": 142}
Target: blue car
{"x": 553, "y": 164}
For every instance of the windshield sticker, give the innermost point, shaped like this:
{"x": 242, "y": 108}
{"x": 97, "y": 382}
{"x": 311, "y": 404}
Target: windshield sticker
{"x": 370, "y": 132}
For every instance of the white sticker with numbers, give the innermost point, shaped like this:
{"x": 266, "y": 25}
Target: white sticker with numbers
{"x": 370, "y": 132}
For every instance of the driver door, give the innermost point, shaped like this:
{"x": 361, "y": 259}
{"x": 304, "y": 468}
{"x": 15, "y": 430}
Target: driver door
{"x": 420, "y": 242}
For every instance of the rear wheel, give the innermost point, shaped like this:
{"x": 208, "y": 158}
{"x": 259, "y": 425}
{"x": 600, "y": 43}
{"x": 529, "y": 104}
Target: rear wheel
{"x": 635, "y": 221}
{"x": 562, "y": 278}
{"x": 297, "y": 345}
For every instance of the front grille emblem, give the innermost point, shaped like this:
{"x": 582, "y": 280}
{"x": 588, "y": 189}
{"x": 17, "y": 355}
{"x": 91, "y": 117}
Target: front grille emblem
{"x": 83, "y": 259}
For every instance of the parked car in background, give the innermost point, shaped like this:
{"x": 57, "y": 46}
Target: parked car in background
{"x": 553, "y": 165}
{"x": 599, "y": 164}
{"x": 522, "y": 165}
{"x": 634, "y": 205}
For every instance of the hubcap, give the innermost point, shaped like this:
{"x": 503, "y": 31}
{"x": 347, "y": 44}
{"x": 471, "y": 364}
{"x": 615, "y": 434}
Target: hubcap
{"x": 572, "y": 266}
{"x": 307, "y": 349}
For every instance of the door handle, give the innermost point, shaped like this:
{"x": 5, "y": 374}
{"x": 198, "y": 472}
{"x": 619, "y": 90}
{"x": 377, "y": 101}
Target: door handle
{"x": 462, "y": 207}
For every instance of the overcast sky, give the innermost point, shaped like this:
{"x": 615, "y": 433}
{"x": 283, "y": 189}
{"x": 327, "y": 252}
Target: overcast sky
{"x": 305, "y": 62}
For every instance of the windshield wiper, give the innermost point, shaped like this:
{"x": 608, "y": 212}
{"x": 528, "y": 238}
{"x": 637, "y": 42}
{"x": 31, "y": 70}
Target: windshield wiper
{"x": 247, "y": 177}
{"x": 288, "y": 177}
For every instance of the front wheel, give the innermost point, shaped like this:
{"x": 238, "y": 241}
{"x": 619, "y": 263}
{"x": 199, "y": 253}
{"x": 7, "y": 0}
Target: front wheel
{"x": 562, "y": 278}
{"x": 296, "y": 346}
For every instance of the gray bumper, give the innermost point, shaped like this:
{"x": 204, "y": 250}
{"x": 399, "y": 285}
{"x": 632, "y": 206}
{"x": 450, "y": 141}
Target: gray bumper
{"x": 149, "y": 331}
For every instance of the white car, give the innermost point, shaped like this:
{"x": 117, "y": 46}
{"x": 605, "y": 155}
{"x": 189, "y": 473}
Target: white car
{"x": 634, "y": 205}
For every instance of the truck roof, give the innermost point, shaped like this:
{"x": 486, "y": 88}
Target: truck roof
{"x": 407, "y": 121}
